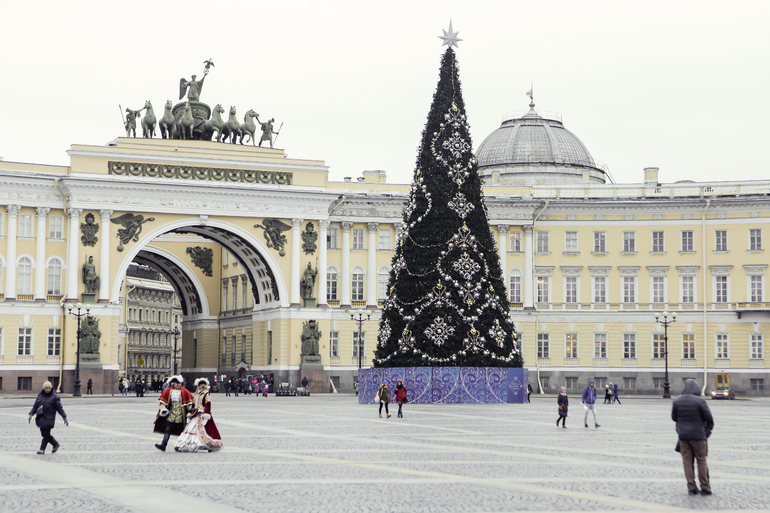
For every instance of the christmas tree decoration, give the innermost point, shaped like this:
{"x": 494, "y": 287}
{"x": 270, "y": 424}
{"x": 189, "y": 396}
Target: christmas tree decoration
{"x": 447, "y": 303}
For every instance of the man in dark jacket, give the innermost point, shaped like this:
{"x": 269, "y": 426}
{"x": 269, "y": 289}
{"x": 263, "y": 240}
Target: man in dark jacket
{"x": 589, "y": 402}
{"x": 693, "y": 424}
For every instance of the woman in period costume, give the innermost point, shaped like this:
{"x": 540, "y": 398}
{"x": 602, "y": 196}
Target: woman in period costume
{"x": 175, "y": 401}
{"x": 200, "y": 433}
{"x": 46, "y": 406}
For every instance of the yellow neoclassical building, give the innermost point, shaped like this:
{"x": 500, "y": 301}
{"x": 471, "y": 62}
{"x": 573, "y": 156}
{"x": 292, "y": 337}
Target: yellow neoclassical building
{"x": 235, "y": 229}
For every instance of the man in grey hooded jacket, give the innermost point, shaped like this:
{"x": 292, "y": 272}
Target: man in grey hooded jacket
{"x": 693, "y": 424}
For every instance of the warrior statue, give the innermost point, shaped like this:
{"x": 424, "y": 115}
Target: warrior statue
{"x": 90, "y": 279}
{"x": 90, "y": 335}
{"x": 310, "y": 336}
{"x": 308, "y": 281}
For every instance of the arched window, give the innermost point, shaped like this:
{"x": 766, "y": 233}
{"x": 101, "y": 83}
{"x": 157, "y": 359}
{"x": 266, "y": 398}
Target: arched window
{"x": 54, "y": 276}
{"x": 24, "y": 278}
{"x": 515, "y": 286}
{"x": 383, "y": 275}
{"x": 331, "y": 283}
{"x": 357, "y": 284}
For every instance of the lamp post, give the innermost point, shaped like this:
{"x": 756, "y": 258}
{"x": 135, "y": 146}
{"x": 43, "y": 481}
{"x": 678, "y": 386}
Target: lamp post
{"x": 360, "y": 313}
{"x": 665, "y": 322}
{"x": 77, "y": 311}
{"x": 176, "y": 334}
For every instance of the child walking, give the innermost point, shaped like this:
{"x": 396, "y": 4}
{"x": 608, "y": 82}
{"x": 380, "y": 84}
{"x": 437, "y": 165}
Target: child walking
{"x": 563, "y": 401}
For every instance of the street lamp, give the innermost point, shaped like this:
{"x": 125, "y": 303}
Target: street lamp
{"x": 77, "y": 313}
{"x": 665, "y": 322}
{"x": 176, "y": 334}
{"x": 360, "y": 313}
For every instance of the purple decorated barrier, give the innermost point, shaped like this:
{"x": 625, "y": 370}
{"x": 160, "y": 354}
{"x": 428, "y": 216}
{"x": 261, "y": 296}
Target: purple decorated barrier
{"x": 448, "y": 384}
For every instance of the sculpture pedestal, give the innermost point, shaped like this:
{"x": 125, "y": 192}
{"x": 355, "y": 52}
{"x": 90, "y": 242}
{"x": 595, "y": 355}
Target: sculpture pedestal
{"x": 88, "y": 297}
{"x": 309, "y": 302}
{"x": 312, "y": 368}
{"x": 91, "y": 358}
{"x": 311, "y": 362}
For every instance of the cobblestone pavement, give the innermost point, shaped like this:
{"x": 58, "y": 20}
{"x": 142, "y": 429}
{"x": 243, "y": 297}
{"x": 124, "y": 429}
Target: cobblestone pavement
{"x": 326, "y": 453}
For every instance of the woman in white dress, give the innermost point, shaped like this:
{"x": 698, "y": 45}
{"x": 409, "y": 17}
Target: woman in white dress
{"x": 200, "y": 433}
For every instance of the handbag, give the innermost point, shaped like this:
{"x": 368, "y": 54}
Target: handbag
{"x": 406, "y": 400}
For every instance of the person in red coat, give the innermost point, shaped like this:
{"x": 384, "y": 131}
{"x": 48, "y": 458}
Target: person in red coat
{"x": 174, "y": 403}
{"x": 200, "y": 433}
{"x": 400, "y": 396}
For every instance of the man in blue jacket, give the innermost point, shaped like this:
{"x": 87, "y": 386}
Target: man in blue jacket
{"x": 589, "y": 402}
{"x": 693, "y": 424}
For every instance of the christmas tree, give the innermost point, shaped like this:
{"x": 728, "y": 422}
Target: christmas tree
{"x": 447, "y": 302}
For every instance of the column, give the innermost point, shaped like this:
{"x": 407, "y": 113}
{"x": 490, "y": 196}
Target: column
{"x": 371, "y": 286}
{"x": 104, "y": 257}
{"x": 10, "y": 256}
{"x": 502, "y": 230}
{"x": 529, "y": 268}
{"x": 345, "y": 278}
{"x": 72, "y": 253}
{"x": 296, "y": 225}
{"x": 40, "y": 267}
{"x": 323, "y": 227}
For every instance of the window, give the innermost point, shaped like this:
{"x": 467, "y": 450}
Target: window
{"x": 384, "y": 240}
{"x": 757, "y": 384}
{"x": 244, "y": 281}
{"x": 515, "y": 287}
{"x": 331, "y": 284}
{"x": 629, "y": 345}
{"x": 720, "y": 240}
{"x": 334, "y": 344}
{"x": 331, "y": 238}
{"x": 359, "y": 344}
{"x": 24, "y": 383}
{"x": 226, "y": 259}
{"x": 571, "y": 345}
{"x": 570, "y": 289}
{"x": 357, "y": 284}
{"x": 358, "y": 238}
{"x": 25, "y": 225}
{"x": 24, "y": 285}
{"x": 570, "y": 242}
{"x": 687, "y": 242}
{"x": 688, "y": 289}
{"x": 629, "y": 383}
{"x": 54, "y": 341}
{"x": 658, "y": 346}
{"x": 629, "y": 289}
{"x": 757, "y": 346}
{"x": 721, "y": 289}
{"x": 543, "y": 289}
{"x": 658, "y": 289}
{"x": 542, "y": 242}
{"x": 543, "y": 345}
{"x": 658, "y": 383}
{"x": 600, "y": 289}
{"x": 629, "y": 242}
{"x": 722, "y": 346}
{"x": 54, "y": 277}
{"x": 755, "y": 288}
{"x": 382, "y": 283}
{"x": 658, "y": 242}
{"x": 224, "y": 296}
{"x": 235, "y": 294}
{"x": 25, "y": 342}
{"x": 688, "y": 346}
{"x": 571, "y": 381}
{"x": 755, "y": 239}
{"x": 545, "y": 383}
{"x": 232, "y": 354}
{"x": 600, "y": 345}
{"x": 600, "y": 242}
{"x": 56, "y": 227}
{"x": 514, "y": 242}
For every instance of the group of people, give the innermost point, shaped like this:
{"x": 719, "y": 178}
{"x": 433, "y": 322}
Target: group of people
{"x": 187, "y": 416}
{"x": 611, "y": 393}
{"x": 383, "y": 397}
{"x": 694, "y": 424}
{"x": 246, "y": 386}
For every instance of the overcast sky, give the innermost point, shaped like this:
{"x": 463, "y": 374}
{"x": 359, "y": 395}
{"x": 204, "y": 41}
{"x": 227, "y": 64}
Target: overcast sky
{"x": 680, "y": 85}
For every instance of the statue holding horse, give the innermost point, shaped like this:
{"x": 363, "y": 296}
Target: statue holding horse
{"x": 214, "y": 125}
{"x": 148, "y": 123}
{"x": 232, "y": 128}
{"x": 167, "y": 122}
{"x": 248, "y": 127}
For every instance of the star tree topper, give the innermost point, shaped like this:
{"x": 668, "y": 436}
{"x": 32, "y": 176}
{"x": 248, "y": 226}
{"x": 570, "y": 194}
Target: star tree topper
{"x": 450, "y": 38}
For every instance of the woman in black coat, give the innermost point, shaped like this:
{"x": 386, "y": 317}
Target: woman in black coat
{"x": 563, "y": 401}
{"x": 45, "y": 408}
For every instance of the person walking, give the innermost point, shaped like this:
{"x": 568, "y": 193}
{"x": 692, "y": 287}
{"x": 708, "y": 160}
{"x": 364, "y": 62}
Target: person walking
{"x": 89, "y": 387}
{"x": 400, "y": 397}
{"x": 304, "y": 385}
{"x": 126, "y": 385}
{"x": 563, "y": 401}
{"x": 173, "y": 406}
{"x": 45, "y": 408}
{"x": 617, "y": 399}
{"x": 694, "y": 424}
{"x": 608, "y": 393}
{"x": 384, "y": 398}
{"x": 200, "y": 433}
{"x": 589, "y": 402}
{"x": 529, "y": 390}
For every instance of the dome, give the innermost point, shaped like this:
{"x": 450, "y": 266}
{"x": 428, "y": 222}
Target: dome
{"x": 536, "y": 150}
